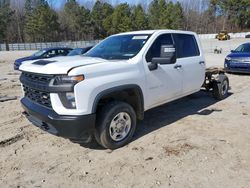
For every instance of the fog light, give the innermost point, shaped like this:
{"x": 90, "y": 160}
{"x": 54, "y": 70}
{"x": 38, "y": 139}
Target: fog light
{"x": 68, "y": 100}
{"x": 71, "y": 98}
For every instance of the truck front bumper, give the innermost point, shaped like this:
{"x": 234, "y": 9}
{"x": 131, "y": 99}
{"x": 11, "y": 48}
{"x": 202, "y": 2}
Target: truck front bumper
{"x": 78, "y": 128}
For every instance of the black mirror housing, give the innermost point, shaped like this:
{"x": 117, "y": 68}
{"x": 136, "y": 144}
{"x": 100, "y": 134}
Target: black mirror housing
{"x": 168, "y": 55}
{"x": 152, "y": 66}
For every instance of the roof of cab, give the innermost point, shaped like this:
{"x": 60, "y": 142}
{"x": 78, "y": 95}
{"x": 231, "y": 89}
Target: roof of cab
{"x": 150, "y": 32}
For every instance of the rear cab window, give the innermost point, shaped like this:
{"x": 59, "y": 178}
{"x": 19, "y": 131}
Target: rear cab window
{"x": 186, "y": 45}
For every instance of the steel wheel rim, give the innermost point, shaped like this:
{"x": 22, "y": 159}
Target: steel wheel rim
{"x": 120, "y": 126}
{"x": 224, "y": 87}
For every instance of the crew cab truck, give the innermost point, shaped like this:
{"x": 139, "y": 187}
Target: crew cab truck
{"x": 105, "y": 91}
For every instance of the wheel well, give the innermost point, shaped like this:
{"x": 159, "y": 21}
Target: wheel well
{"x": 132, "y": 96}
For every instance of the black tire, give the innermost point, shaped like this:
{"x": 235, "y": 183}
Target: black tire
{"x": 105, "y": 116}
{"x": 221, "y": 87}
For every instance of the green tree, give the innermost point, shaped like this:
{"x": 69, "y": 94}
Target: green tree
{"x": 139, "y": 18}
{"x": 5, "y": 17}
{"x": 77, "y": 22}
{"x": 120, "y": 20}
{"x": 42, "y": 24}
{"x": 173, "y": 15}
{"x": 154, "y": 14}
{"x": 100, "y": 12}
{"x": 30, "y": 5}
{"x": 164, "y": 15}
{"x": 236, "y": 12}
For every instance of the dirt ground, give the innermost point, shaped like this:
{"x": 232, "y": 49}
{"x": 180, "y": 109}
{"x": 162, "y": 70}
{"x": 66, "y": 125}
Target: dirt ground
{"x": 192, "y": 142}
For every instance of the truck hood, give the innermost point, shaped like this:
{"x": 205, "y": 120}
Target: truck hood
{"x": 59, "y": 65}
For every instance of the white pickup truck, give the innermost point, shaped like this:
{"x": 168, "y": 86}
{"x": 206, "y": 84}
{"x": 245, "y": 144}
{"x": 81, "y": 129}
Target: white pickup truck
{"x": 105, "y": 91}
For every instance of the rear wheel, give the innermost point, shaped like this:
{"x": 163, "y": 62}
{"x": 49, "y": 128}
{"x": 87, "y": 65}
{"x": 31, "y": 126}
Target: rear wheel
{"x": 115, "y": 125}
{"x": 221, "y": 87}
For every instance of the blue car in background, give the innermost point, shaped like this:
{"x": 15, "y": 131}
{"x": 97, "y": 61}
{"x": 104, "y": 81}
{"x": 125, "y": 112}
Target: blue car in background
{"x": 44, "y": 53}
{"x": 239, "y": 60}
{"x": 79, "y": 51}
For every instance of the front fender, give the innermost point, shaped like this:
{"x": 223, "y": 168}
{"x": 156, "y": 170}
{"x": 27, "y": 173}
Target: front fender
{"x": 118, "y": 89}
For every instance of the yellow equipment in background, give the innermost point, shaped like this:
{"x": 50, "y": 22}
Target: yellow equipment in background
{"x": 223, "y": 35}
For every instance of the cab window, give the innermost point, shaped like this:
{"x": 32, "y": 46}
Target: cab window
{"x": 62, "y": 52}
{"x": 155, "y": 49}
{"x": 50, "y": 53}
{"x": 186, "y": 45}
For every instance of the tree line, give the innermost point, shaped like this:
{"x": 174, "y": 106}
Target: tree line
{"x": 37, "y": 21}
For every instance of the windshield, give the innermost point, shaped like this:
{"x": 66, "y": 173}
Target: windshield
{"x": 243, "y": 48}
{"x": 39, "y": 53}
{"x": 77, "y": 51}
{"x": 119, "y": 47}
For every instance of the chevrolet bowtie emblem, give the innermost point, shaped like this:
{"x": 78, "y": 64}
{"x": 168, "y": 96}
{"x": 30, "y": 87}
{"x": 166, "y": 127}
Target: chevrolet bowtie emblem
{"x": 45, "y": 97}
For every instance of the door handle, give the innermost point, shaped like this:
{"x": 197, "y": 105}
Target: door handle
{"x": 202, "y": 62}
{"x": 177, "y": 66}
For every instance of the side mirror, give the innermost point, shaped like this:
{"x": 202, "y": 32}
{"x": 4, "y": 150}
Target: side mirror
{"x": 232, "y": 51}
{"x": 168, "y": 55}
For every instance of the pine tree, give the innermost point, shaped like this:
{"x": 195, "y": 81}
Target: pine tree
{"x": 139, "y": 18}
{"x": 175, "y": 17}
{"x": 5, "y": 17}
{"x": 77, "y": 20}
{"x": 120, "y": 20}
{"x": 237, "y": 12}
{"x": 154, "y": 14}
{"x": 100, "y": 12}
{"x": 164, "y": 15}
{"x": 42, "y": 24}
{"x": 28, "y": 7}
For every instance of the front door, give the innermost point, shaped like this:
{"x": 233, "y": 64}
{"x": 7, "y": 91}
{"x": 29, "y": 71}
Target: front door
{"x": 165, "y": 82}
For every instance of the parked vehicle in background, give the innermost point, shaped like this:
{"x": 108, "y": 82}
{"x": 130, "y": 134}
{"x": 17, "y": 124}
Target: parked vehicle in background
{"x": 223, "y": 35}
{"x": 79, "y": 51}
{"x": 105, "y": 91}
{"x": 42, "y": 54}
{"x": 239, "y": 59}
{"x": 247, "y": 35}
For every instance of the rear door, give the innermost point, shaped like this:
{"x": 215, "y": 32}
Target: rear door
{"x": 191, "y": 61}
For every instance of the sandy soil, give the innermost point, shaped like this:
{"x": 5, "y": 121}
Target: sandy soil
{"x": 193, "y": 142}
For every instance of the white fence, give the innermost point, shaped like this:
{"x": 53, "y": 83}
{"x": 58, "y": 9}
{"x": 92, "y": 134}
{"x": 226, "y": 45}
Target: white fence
{"x": 38, "y": 46}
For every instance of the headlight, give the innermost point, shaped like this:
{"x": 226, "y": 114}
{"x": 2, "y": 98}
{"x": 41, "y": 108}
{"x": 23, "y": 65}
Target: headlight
{"x": 228, "y": 58}
{"x": 67, "y": 83}
{"x": 64, "y": 79}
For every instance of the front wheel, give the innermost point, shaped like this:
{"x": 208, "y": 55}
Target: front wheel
{"x": 116, "y": 125}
